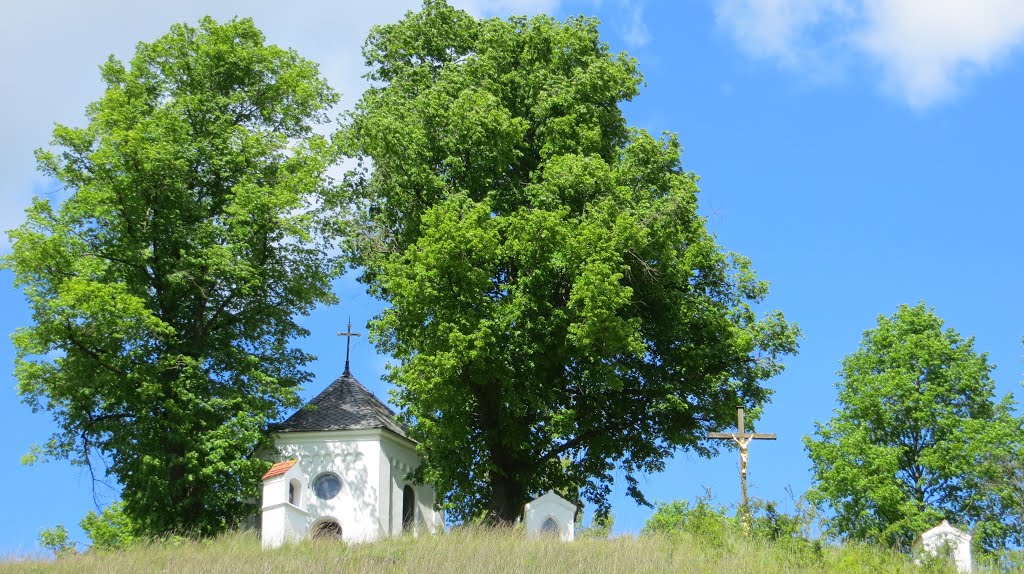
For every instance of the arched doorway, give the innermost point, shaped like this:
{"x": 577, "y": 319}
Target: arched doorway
{"x": 408, "y": 509}
{"x": 328, "y": 530}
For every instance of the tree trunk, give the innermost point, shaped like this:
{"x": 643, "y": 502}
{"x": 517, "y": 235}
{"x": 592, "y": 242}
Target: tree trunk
{"x": 507, "y": 499}
{"x": 507, "y": 495}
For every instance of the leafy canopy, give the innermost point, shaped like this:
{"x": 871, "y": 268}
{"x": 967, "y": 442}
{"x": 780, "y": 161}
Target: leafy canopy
{"x": 164, "y": 288}
{"x": 558, "y": 311}
{"x": 918, "y": 437}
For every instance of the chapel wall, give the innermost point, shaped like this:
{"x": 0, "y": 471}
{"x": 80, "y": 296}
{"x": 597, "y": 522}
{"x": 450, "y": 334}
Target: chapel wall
{"x": 356, "y": 461}
{"x": 402, "y": 459}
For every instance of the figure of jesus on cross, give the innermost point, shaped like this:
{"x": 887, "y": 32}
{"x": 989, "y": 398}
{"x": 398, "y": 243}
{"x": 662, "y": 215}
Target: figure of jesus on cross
{"x": 742, "y": 438}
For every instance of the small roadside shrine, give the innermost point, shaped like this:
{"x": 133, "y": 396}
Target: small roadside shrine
{"x": 943, "y": 539}
{"x": 551, "y": 515}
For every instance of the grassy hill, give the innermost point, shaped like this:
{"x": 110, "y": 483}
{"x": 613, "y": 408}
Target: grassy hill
{"x": 480, "y": 551}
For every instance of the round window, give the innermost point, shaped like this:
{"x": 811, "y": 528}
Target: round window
{"x": 327, "y": 486}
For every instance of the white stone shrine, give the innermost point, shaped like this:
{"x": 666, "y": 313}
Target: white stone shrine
{"x": 945, "y": 538}
{"x": 551, "y": 515}
{"x": 343, "y": 473}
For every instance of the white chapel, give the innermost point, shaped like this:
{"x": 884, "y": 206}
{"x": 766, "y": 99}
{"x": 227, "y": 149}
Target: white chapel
{"x": 344, "y": 458}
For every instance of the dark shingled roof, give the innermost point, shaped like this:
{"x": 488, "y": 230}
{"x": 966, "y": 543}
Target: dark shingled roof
{"x": 344, "y": 405}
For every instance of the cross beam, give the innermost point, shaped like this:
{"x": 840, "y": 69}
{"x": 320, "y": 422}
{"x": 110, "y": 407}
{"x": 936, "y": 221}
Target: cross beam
{"x": 742, "y": 438}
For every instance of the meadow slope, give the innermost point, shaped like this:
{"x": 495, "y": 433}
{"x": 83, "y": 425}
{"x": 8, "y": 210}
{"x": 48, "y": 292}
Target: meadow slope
{"x": 481, "y": 551}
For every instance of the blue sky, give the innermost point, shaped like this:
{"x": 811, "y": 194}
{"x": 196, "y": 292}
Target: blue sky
{"x": 863, "y": 153}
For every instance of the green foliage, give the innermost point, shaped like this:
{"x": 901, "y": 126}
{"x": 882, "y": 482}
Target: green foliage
{"x": 57, "y": 540}
{"x": 1001, "y": 561}
{"x": 600, "y": 528}
{"x": 708, "y": 521}
{"x": 712, "y": 523}
{"x": 918, "y": 437}
{"x": 164, "y": 288}
{"x": 111, "y": 529}
{"x": 768, "y": 522}
{"x": 558, "y": 310}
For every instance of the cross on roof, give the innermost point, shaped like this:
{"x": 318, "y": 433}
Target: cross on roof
{"x": 348, "y": 334}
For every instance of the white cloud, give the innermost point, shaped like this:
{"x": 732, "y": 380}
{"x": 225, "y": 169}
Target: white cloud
{"x": 504, "y": 7}
{"x": 636, "y": 34}
{"x": 923, "y": 47}
{"x": 775, "y": 28}
{"x": 51, "y": 50}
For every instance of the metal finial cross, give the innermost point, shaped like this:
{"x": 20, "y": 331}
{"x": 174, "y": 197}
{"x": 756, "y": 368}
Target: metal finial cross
{"x": 348, "y": 334}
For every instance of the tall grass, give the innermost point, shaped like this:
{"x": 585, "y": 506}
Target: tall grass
{"x": 480, "y": 550}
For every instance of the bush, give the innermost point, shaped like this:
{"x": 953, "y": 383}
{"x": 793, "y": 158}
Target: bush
{"x": 767, "y": 522}
{"x": 111, "y": 529}
{"x": 600, "y": 528}
{"x": 707, "y": 521}
{"x": 56, "y": 540}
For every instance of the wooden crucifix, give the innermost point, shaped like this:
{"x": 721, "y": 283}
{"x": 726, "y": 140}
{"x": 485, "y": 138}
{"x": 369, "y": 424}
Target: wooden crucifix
{"x": 742, "y": 438}
{"x": 348, "y": 334}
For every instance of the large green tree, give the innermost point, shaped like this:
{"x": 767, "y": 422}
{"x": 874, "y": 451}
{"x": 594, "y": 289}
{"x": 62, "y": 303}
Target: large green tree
{"x": 918, "y": 437}
{"x": 164, "y": 288}
{"x": 558, "y": 311}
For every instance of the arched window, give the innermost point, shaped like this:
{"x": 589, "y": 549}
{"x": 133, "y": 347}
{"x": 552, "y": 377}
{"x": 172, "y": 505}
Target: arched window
{"x": 328, "y": 530}
{"x": 408, "y": 509}
{"x": 295, "y": 492}
{"x": 549, "y": 528}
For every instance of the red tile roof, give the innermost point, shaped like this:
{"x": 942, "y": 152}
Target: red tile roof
{"x": 279, "y": 468}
